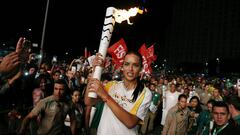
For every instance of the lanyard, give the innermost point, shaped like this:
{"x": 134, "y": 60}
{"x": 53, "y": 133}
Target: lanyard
{"x": 215, "y": 132}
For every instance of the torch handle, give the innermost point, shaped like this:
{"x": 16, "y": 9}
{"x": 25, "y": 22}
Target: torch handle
{"x": 109, "y": 23}
{"x": 97, "y": 75}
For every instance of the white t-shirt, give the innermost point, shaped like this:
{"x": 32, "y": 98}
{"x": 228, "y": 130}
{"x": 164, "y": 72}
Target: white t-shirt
{"x": 109, "y": 123}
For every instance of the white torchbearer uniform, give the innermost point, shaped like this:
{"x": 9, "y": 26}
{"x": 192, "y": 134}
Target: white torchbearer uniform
{"x": 110, "y": 124}
{"x": 171, "y": 100}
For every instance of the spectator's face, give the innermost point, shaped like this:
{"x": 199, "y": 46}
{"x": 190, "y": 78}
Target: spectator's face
{"x": 42, "y": 84}
{"x": 70, "y": 74}
{"x": 173, "y": 88}
{"x": 194, "y": 103}
{"x": 209, "y": 106}
{"x": 89, "y": 75}
{"x": 32, "y": 71}
{"x": 206, "y": 88}
{"x": 59, "y": 90}
{"x": 182, "y": 103}
{"x": 75, "y": 96}
{"x": 152, "y": 87}
{"x": 231, "y": 108}
{"x": 186, "y": 91}
{"x": 216, "y": 93}
{"x": 131, "y": 67}
{"x": 42, "y": 71}
{"x": 225, "y": 92}
{"x": 165, "y": 82}
{"x": 178, "y": 80}
{"x": 190, "y": 87}
{"x": 152, "y": 80}
{"x": 56, "y": 76}
{"x": 161, "y": 81}
{"x": 220, "y": 115}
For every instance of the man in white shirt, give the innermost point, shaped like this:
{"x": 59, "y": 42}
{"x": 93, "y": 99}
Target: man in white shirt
{"x": 170, "y": 100}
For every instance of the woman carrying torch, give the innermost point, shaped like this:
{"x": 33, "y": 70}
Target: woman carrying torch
{"x": 126, "y": 102}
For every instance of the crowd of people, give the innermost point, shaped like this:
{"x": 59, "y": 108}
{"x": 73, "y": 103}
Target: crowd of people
{"x": 53, "y": 99}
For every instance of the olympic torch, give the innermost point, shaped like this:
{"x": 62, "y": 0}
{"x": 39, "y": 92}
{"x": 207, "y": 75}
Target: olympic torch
{"x": 112, "y": 15}
{"x": 109, "y": 23}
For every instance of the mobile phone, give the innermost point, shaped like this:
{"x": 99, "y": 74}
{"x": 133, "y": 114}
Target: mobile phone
{"x": 74, "y": 69}
{"x": 54, "y": 59}
{"x": 25, "y": 51}
{"x": 79, "y": 67}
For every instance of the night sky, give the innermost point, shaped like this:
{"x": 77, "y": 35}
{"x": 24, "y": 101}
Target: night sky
{"x": 184, "y": 31}
{"x": 74, "y": 24}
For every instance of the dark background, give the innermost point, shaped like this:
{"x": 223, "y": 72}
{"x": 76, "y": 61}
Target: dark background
{"x": 187, "y": 33}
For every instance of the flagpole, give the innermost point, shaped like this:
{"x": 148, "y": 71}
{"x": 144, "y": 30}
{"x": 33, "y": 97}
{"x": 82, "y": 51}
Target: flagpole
{"x": 43, "y": 34}
{"x": 85, "y": 52}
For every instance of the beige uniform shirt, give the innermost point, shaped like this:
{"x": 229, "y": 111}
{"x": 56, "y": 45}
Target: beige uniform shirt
{"x": 53, "y": 114}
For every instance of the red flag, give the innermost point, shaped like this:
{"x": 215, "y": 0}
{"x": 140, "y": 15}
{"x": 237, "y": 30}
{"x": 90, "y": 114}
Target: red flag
{"x": 118, "y": 51}
{"x": 151, "y": 56}
{"x": 143, "y": 50}
{"x": 146, "y": 64}
{"x": 117, "y": 64}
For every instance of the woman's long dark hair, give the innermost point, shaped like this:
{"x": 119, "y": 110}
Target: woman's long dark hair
{"x": 138, "y": 89}
{"x": 198, "y": 107}
{"x": 140, "y": 86}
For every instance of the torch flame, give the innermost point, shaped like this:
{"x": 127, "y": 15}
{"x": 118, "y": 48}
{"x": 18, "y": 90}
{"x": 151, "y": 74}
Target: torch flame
{"x": 122, "y": 14}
